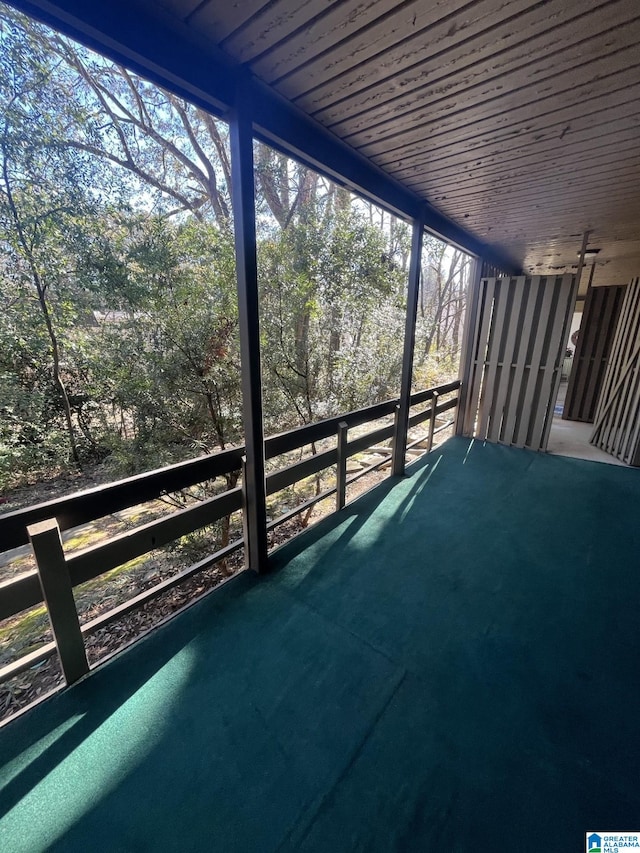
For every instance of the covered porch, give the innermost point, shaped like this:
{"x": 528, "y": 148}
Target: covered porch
{"x": 450, "y": 663}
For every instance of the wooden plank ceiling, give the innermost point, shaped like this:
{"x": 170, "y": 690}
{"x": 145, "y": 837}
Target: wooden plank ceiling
{"x": 519, "y": 120}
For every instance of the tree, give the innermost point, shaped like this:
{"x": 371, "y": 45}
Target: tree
{"x": 331, "y": 313}
{"x": 116, "y": 200}
{"x": 163, "y": 142}
{"x": 168, "y": 295}
{"x": 442, "y": 297}
{"x": 42, "y": 209}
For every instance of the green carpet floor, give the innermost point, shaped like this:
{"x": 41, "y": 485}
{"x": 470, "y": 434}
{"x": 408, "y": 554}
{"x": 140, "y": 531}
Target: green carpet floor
{"x": 452, "y": 664}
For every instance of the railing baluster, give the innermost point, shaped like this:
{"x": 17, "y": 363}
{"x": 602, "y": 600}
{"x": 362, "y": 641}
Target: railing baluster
{"x": 432, "y": 421}
{"x": 245, "y": 514}
{"x": 397, "y": 425}
{"x": 58, "y": 595}
{"x": 341, "y": 474}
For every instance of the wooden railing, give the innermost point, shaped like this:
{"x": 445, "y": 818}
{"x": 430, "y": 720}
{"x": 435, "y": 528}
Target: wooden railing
{"x": 57, "y": 573}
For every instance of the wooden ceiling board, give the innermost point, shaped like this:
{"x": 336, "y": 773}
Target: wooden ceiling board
{"x": 528, "y": 82}
{"x": 580, "y": 200}
{"x": 578, "y": 207}
{"x": 366, "y": 29}
{"x": 565, "y": 254}
{"x": 619, "y": 250}
{"x": 285, "y": 36}
{"x": 516, "y": 232}
{"x": 605, "y": 275}
{"x": 518, "y": 235}
{"x": 560, "y": 183}
{"x": 556, "y": 180}
{"x": 501, "y": 147}
{"x": 607, "y": 267}
{"x": 385, "y": 51}
{"x": 439, "y": 180}
{"x": 465, "y": 155}
{"x": 546, "y": 213}
{"x": 608, "y": 272}
{"x": 549, "y": 119}
{"x": 550, "y": 243}
{"x": 590, "y": 172}
{"x": 493, "y": 183}
{"x": 540, "y": 209}
{"x": 548, "y": 221}
{"x": 516, "y": 111}
{"x": 600, "y": 146}
{"x": 546, "y": 55}
{"x": 218, "y": 20}
{"x": 472, "y": 62}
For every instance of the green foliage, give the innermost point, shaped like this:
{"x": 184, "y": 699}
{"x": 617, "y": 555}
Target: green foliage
{"x": 44, "y": 207}
{"x": 332, "y": 310}
{"x": 118, "y": 311}
{"x": 165, "y": 363}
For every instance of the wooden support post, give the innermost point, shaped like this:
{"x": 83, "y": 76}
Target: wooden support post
{"x": 58, "y": 595}
{"x": 244, "y": 220}
{"x": 341, "y": 473}
{"x": 432, "y": 420}
{"x": 464, "y": 417}
{"x": 402, "y": 421}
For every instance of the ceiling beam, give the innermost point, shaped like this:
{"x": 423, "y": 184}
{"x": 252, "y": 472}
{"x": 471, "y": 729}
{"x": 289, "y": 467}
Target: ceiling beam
{"x": 166, "y": 51}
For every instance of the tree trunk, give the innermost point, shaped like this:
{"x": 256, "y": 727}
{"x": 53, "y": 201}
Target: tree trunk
{"x": 44, "y": 307}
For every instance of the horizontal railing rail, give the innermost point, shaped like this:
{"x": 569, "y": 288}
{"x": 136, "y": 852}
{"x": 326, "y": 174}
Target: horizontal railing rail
{"x": 279, "y": 480}
{"x": 91, "y": 504}
{"x": 364, "y": 442}
{"x": 99, "y": 501}
{"x": 21, "y": 526}
{"x": 285, "y": 442}
{"x": 134, "y": 543}
{"x": 24, "y": 591}
{"x": 424, "y": 396}
{"x": 421, "y": 417}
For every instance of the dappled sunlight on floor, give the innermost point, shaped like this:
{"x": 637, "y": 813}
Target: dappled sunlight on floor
{"x": 421, "y": 660}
